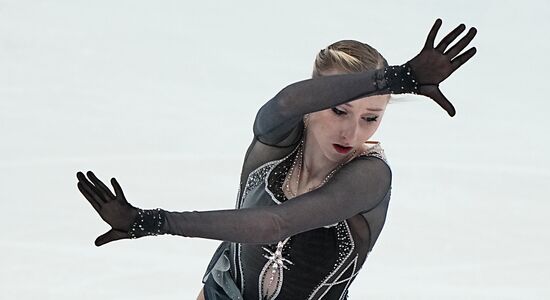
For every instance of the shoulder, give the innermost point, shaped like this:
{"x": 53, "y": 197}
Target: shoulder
{"x": 368, "y": 172}
{"x": 370, "y": 161}
{"x": 372, "y": 149}
{"x": 373, "y": 158}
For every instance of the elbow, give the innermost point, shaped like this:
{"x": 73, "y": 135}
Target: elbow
{"x": 273, "y": 128}
{"x": 280, "y": 107}
{"x": 261, "y": 124}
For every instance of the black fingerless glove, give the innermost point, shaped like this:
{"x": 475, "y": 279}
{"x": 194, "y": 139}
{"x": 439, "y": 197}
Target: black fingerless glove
{"x": 148, "y": 222}
{"x": 399, "y": 80}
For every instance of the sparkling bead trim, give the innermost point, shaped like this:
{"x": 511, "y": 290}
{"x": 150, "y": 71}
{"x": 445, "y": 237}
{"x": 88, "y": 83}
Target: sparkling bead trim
{"x": 275, "y": 163}
{"x": 345, "y": 240}
{"x": 353, "y": 264}
{"x": 260, "y": 174}
{"x": 147, "y": 222}
{"x": 353, "y": 274}
{"x": 274, "y": 269}
{"x": 375, "y": 151}
{"x": 240, "y": 266}
{"x": 400, "y": 79}
{"x": 254, "y": 179}
{"x": 346, "y": 245}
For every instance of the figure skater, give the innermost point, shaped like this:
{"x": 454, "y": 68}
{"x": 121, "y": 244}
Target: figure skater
{"x": 314, "y": 191}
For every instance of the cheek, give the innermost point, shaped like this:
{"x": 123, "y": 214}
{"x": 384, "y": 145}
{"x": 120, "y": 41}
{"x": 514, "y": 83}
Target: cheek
{"x": 369, "y": 130}
{"x": 321, "y": 121}
{"x": 321, "y": 130}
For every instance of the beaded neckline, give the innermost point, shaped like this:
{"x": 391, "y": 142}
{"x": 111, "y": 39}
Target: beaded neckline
{"x": 297, "y": 166}
{"x": 276, "y": 178}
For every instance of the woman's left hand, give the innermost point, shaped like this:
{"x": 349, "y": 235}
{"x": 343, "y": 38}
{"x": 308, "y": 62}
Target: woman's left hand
{"x": 435, "y": 63}
{"x": 112, "y": 208}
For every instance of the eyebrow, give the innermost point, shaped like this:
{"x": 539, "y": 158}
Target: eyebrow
{"x": 371, "y": 109}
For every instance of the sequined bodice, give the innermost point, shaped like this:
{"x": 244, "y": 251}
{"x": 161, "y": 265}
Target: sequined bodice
{"x": 310, "y": 265}
{"x": 313, "y": 263}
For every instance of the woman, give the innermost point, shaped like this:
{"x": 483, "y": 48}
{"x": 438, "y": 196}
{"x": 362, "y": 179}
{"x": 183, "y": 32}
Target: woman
{"x": 313, "y": 195}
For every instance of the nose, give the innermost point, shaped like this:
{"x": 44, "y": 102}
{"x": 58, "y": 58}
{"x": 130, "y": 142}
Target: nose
{"x": 348, "y": 131}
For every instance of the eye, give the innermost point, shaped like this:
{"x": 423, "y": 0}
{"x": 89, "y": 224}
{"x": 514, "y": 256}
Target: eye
{"x": 337, "y": 111}
{"x": 371, "y": 119}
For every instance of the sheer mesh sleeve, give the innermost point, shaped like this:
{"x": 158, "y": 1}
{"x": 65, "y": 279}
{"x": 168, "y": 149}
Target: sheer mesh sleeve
{"x": 278, "y": 125}
{"x": 356, "y": 188}
{"x": 277, "y": 120}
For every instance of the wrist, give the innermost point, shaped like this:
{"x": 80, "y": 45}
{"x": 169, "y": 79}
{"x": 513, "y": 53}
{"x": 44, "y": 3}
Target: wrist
{"x": 401, "y": 79}
{"x": 148, "y": 222}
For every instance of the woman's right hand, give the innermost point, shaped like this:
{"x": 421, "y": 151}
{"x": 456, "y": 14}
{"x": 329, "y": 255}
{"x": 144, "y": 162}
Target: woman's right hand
{"x": 112, "y": 208}
{"x": 434, "y": 64}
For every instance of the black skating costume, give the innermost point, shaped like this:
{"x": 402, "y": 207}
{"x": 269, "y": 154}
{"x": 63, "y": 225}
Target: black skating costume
{"x": 313, "y": 245}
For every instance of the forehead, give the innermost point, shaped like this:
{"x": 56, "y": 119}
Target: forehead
{"x": 372, "y": 103}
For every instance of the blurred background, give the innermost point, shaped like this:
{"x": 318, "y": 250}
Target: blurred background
{"x": 162, "y": 96}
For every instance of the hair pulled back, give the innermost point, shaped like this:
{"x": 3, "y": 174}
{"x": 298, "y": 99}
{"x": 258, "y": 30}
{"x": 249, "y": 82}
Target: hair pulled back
{"x": 348, "y": 56}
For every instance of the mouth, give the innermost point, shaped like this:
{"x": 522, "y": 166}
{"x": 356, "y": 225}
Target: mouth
{"x": 341, "y": 149}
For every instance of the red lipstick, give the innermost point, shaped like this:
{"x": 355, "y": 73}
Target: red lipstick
{"x": 341, "y": 149}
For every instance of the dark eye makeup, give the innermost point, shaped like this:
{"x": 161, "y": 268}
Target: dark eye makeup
{"x": 340, "y": 112}
{"x": 372, "y": 119}
{"x": 337, "y": 111}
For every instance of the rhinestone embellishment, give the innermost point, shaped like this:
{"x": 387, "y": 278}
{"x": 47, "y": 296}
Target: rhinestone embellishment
{"x": 271, "y": 277}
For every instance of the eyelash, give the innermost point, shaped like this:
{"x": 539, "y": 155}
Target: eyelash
{"x": 339, "y": 112}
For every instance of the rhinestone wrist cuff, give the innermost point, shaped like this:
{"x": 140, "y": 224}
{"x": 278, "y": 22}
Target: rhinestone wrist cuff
{"x": 400, "y": 79}
{"x": 147, "y": 222}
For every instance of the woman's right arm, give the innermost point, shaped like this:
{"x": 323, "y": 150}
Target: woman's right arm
{"x": 355, "y": 188}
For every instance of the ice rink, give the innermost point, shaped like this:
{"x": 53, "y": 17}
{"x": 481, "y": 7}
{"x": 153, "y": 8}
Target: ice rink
{"x": 162, "y": 96}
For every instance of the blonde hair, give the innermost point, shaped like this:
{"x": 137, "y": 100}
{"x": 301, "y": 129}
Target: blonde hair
{"x": 348, "y": 56}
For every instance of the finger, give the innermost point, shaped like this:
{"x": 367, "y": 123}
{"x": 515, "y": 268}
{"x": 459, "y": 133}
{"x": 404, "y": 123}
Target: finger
{"x": 462, "y": 58}
{"x": 94, "y": 203}
{"x": 104, "y": 189}
{"x": 109, "y": 236}
{"x": 449, "y": 38}
{"x": 435, "y": 94}
{"x": 462, "y": 43}
{"x": 118, "y": 190}
{"x": 433, "y": 32}
{"x": 89, "y": 188}
{"x": 444, "y": 103}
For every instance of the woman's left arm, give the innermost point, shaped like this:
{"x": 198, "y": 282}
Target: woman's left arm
{"x": 355, "y": 188}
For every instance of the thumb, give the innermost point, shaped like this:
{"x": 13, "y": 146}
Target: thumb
{"x": 433, "y": 92}
{"x": 109, "y": 236}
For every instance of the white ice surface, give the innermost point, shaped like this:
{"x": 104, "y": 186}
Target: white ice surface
{"x": 162, "y": 96}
